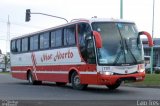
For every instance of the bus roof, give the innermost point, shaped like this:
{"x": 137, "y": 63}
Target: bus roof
{"x": 74, "y": 21}
{"x": 109, "y": 20}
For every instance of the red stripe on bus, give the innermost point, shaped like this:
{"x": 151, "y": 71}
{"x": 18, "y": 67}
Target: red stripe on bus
{"x": 88, "y": 67}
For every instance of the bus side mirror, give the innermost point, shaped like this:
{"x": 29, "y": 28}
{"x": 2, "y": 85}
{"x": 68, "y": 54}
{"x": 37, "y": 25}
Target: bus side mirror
{"x": 98, "y": 39}
{"x": 150, "y": 41}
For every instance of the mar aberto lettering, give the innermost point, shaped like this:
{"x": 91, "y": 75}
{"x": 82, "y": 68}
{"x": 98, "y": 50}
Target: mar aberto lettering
{"x": 59, "y": 56}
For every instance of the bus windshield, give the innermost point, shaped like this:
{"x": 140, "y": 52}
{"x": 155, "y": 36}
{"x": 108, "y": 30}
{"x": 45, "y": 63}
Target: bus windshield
{"x": 121, "y": 44}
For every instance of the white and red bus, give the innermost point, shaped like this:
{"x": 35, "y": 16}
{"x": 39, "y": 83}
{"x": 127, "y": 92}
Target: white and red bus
{"x": 82, "y": 52}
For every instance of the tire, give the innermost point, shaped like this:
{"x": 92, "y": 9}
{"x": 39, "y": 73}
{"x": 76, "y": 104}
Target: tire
{"x": 31, "y": 80}
{"x": 76, "y": 84}
{"x": 114, "y": 86}
{"x": 61, "y": 83}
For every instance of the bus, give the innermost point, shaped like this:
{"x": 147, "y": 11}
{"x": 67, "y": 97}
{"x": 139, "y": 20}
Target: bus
{"x": 82, "y": 52}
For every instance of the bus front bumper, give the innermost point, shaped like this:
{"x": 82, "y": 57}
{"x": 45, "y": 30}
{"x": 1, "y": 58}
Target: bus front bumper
{"x": 112, "y": 79}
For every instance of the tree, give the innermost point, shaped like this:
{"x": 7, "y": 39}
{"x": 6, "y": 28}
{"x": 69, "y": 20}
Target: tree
{"x": 6, "y": 61}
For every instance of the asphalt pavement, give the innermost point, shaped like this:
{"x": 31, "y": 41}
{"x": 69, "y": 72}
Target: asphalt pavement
{"x": 15, "y": 89}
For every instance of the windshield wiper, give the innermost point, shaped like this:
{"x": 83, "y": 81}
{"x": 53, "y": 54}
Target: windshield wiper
{"x": 119, "y": 54}
{"x": 128, "y": 49}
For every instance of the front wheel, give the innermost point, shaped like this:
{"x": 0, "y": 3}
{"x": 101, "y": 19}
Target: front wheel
{"x": 114, "y": 86}
{"x": 76, "y": 84}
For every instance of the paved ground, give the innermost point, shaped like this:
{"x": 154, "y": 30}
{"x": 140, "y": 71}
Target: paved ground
{"x": 14, "y": 89}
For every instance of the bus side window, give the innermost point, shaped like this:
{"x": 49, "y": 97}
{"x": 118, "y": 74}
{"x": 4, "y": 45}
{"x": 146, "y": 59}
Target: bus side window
{"x": 13, "y": 46}
{"x": 18, "y": 45}
{"x": 86, "y": 44}
{"x": 44, "y": 40}
{"x": 34, "y": 42}
{"x": 56, "y": 38}
{"x": 25, "y": 44}
{"x": 69, "y": 36}
{"x": 90, "y": 49}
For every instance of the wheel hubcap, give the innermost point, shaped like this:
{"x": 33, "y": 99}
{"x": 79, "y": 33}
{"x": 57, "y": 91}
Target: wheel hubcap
{"x": 30, "y": 79}
{"x": 76, "y": 80}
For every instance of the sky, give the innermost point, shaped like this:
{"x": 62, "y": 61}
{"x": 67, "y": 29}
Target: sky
{"x": 139, "y": 11}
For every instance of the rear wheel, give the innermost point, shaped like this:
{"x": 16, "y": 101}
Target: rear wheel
{"x": 76, "y": 84}
{"x": 32, "y": 81}
{"x": 114, "y": 86}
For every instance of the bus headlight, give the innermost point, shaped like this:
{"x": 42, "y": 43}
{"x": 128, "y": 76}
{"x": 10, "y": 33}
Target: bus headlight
{"x": 107, "y": 73}
{"x": 141, "y": 68}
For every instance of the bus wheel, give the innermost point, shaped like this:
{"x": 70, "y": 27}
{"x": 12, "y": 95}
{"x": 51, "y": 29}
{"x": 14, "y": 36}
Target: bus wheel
{"x": 30, "y": 78}
{"x": 32, "y": 81}
{"x": 76, "y": 84}
{"x": 114, "y": 86}
{"x": 61, "y": 83}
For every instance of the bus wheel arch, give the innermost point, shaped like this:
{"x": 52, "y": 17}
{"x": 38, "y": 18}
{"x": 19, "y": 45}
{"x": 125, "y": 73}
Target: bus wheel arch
{"x": 70, "y": 74}
{"x": 114, "y": 86}
{"x": 30, "y": 77}
{"x": 27, "y": 75}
